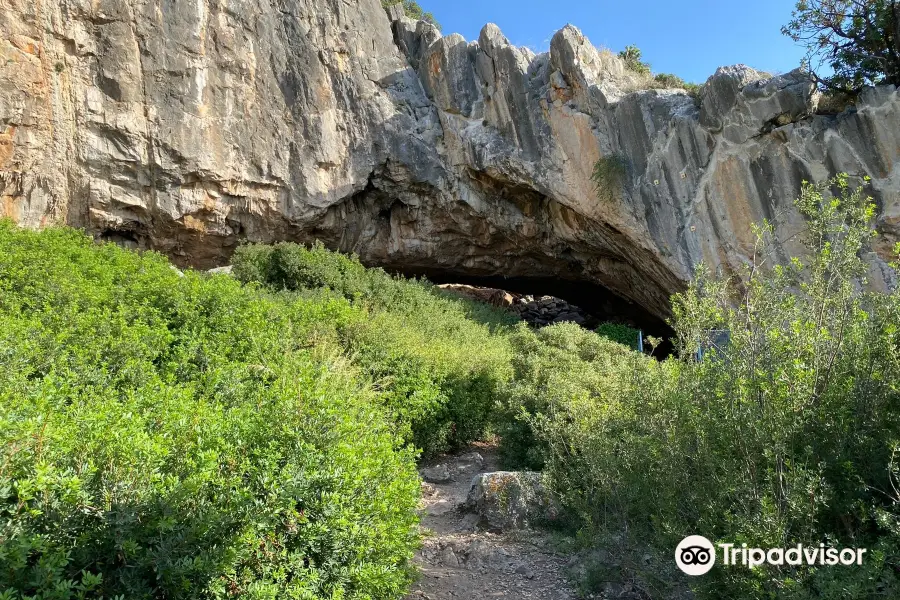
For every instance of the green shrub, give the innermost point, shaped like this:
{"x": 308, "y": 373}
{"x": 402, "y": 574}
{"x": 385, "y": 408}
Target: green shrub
{"x": 551, "y": 366}
{"x": 625, "y": 335}
{"x": 412, "y": 10}
{"x": 695, "y": 90}
{"x": 438, "y": 361}
{"x": 645, "y": 80}
{"x": 632, "y": 57}
{"x": 610, "y": 176}
{"x": 668, "y": 80}
{"x": 168, "y": 436}
{"x": 789, "y": 435}
{"x": 834, "y": 102}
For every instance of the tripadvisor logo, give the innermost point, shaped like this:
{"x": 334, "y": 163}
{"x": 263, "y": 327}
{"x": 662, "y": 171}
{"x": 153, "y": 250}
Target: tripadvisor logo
{"x": 696, "y": 555}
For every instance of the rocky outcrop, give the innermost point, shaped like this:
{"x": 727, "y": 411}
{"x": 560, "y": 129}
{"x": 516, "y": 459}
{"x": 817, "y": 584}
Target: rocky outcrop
{"x": 445, "y": 472}
{"x": 188, "y": 126}
{"x": 546, "y": 310}
{"x": 492, "y": 296}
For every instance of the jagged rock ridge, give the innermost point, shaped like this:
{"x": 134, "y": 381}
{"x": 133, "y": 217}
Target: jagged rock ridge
{"x": 187, "y": 127}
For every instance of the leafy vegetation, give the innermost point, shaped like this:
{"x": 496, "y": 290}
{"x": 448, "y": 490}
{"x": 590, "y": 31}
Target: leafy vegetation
{"x": 632, "y": 57}
{"x": 553, "y": 366}
{"x": 610, "y": 176}
{"x": 183, "y": 435}
{"x": 670, "y": 81}
{"x": 439, "y": 361}
{"x": 623, "y": 334}
{"x": 412, "y": 10}
{"x": 833, "y": 102}
{"x": 168, "y": 436}
{"x": 789, "y": 435}
{"x": 857, "y": 40}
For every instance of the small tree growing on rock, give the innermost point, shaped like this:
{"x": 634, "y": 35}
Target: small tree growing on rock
{"x": 632, "y": 57}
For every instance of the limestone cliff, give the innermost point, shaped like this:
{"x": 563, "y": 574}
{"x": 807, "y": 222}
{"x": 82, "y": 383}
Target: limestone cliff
{"x": 189, "y": 125}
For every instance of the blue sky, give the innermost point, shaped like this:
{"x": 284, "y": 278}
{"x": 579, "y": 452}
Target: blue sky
{"x": 690, "y": 38}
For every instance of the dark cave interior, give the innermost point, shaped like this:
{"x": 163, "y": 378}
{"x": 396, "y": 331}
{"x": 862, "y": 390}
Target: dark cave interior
{"x": 596, "y": 300}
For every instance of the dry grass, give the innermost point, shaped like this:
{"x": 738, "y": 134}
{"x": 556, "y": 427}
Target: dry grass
{"x": 833, "y": 103}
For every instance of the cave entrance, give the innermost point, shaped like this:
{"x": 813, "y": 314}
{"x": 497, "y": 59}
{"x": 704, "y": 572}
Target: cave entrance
{"x": 598, "y": 303}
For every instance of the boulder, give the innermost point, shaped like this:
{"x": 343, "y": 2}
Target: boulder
{"x": 722, "y": 93}
{"x": 505, "y": 300}
{"x": 226, "y": 270}
{"x": 743, "y": 103}
{"x": 469, "y": 462}
{"x": 436, "y": 474}
{"x": 506, "y": 500}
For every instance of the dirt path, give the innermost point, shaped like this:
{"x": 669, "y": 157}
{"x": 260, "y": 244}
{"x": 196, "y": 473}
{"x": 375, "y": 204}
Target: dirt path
{"x": 459, "y": 561}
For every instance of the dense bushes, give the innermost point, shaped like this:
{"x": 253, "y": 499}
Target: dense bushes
{"x": 790, "y": 435}
{"x": 183, "y": 436}
{"x": 617, "y": 332}
{"x": 438, "y": 361}
{"x": 554, "y": 366}
{"x": 167, "y": 436}
{"x": 669, "y": 81}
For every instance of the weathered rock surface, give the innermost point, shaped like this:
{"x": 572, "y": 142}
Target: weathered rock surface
{"x": 436, "y": 474}
{"x": 537, "y": 311}
{"x": 506, "y": 500}
{"x": 188, "y": 126}
{"x": 226, "y": 270}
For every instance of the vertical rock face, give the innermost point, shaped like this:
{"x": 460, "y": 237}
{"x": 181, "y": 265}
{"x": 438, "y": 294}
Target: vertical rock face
{"x": 187, "y": 126}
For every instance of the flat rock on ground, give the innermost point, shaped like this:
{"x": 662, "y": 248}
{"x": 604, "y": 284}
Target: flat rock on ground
{"x": 458, "y": 560}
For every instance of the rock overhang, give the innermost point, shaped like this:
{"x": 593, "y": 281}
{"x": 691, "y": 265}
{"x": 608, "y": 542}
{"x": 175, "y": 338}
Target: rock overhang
{"x": 328, "y": 121}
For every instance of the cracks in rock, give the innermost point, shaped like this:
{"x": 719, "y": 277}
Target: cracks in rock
{"x": 151, "y": 139}
{"x": 525, "y": 199}
{"x": 555, "y": 240}
{"x": 776, "y": 123}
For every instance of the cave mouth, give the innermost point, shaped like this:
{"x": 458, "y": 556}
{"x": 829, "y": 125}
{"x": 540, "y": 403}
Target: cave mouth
{"x": 121, "y": 237}
{"x": 597, "y": 301}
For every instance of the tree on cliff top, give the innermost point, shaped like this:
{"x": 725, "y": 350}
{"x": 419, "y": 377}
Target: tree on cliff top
{"x": 632, "y": 57}
{"x": 858, "y": 39}
{"x": 413, "y": 11}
